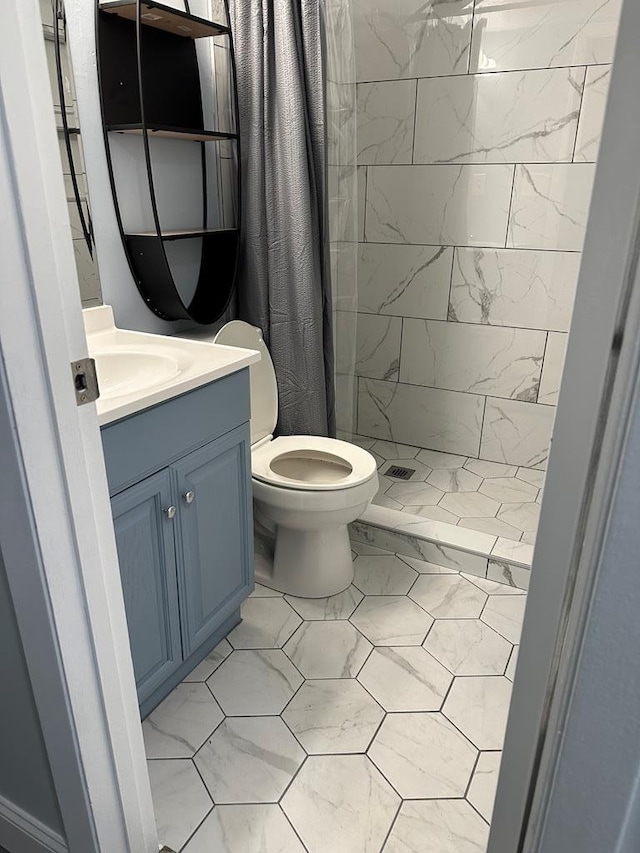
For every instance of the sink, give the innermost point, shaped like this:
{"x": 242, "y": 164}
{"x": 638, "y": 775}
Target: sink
{"x": 137, "y": 370}
{"x": 125, "y": 371}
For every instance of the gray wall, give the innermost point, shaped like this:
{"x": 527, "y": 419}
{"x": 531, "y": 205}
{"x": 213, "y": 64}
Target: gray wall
{"x": 25, "y": 775}
{"x": 595, "y": 800}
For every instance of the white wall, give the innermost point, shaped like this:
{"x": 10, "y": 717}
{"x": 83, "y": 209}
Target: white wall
{"x": 479, "y": 123}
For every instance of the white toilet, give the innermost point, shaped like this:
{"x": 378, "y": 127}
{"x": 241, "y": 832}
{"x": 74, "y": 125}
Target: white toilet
{"x": 306, "y": 490}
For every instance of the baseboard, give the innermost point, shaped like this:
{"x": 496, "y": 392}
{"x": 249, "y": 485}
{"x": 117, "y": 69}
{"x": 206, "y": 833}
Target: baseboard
{"x": 20, "y": 832}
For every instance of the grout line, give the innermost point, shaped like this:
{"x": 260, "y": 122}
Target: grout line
{"x": 208, "y": 814}
{"x": 395, "y": 817}
{"x": 364, "y": 203}
{"x": 513, "y": 191}
{"x": 415, "y": 124}
{"x": 295, "y": 831}
{"x": 487, "y": 73}
{"x": 453, "y": 263}
{"x": 544, "y": 358}
{"x": 581, "y": 107}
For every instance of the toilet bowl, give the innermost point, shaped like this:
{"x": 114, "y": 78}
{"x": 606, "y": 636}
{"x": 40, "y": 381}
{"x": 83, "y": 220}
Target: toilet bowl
{"x": 306, "y": 490}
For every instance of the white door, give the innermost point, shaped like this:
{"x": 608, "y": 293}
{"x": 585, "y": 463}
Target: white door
{"x": 56, "y": 533}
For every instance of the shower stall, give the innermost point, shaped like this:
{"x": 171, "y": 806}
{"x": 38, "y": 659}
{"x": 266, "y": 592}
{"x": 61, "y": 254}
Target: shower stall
{"x": 478, "y": 126}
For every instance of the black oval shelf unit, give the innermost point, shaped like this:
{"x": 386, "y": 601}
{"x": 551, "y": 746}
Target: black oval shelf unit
{"x": 155, "y": 80}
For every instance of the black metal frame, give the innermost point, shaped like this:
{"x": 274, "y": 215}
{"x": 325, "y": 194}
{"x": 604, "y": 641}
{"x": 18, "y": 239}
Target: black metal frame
{"x": 146, "y": 253}
{"x": 86, "y": 224}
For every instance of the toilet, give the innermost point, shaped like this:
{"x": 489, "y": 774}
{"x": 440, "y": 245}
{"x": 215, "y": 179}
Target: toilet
{"x": 306, "y": 490}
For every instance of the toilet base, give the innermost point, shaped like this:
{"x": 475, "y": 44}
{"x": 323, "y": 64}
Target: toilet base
{"x": 306, "y": 563}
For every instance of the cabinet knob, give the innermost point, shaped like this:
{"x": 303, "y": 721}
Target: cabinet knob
{"x": 171, "y": 512}
{"x": 189, "y": 497}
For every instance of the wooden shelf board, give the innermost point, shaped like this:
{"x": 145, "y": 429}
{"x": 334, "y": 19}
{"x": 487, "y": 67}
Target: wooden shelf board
{"x": 174, "y": 133}
{"x": 164, "y": 18}
{"x": 181, "y": 234}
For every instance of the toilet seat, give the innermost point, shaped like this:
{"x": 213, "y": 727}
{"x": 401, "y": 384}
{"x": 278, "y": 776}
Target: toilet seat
{"x": 311, "y": 463}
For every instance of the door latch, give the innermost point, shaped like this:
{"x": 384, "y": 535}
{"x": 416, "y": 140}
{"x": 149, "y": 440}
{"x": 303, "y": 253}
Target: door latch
{"x": 85, "y": 380}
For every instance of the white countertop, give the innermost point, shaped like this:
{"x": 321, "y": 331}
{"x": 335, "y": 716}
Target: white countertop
{"x": 137, "y": 370}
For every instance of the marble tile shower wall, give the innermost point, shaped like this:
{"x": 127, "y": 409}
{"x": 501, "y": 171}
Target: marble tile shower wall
{"x": 478, "y": 131}
{"x": 343, "y": 201}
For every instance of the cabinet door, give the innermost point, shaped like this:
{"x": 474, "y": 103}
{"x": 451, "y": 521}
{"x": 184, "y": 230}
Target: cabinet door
{"x": 146, "y": 552}
{"x": 215, "y": 560}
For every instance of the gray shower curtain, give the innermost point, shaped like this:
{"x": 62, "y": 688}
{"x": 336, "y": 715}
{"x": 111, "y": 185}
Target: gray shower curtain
{"x": 284, "y": 282}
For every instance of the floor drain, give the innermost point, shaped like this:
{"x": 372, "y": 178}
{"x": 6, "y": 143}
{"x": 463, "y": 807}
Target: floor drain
{"x": 399, "y": 473}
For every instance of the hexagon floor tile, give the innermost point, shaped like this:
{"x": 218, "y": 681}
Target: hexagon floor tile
{"x": 405, "y": 678}
{"x": 479, "y": 706}
{"x": 395, "y": 705}
{"x": 339, "y": 606}
{"x": 490, "y": 497}
{"x": 180, "y": 800}
{"x": 255, "y": 682}
{"x": 504, "y": 613}
{"x": 468, "y": 647}
{"x": 387, "y": 575}
{"x": 333, "y": 715}
{"x": 267, "y": 623}
{"x": 448, "y": 596}
{"x": 423, "y": 756}
{"x": 181, "y": 723}
{"x": 328, "y": 650}
{"x": 249, "y": 760}
{"x": 212, "y": 661}
{"x": 392, "y": 620}
{"x": 438, "y": 826}
{"x": 482, "y": 790}
{"x": 254, "y": 828}
{"x": 342, "y": 804}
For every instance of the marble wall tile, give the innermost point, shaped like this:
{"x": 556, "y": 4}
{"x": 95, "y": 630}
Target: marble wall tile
{"x": 543, "y": 34}
{"x": 346, "y": 401}
{"x": 342, "y": 187}
{"x": 385, "y": 121}
{"x": 553, "y": 365}
{"x": 341, "y": 122}
{"x": 550, "y": 206}
{"x": 511, "y": 287}
{"x": 406, "y": 281}
{"x": 436, "y": 205}
{"x": 477, "y": 359}
{"x": 345, "y": 326}
{"x": 426, "y": 417}
{"x": 594, "y": 102}
{"x": 415, "y": 39}
{"x": 378, "y": 346}
{"x": 516, "y": 433}
{"x": 344, "y": 281}
{"x": 513, "y": 117}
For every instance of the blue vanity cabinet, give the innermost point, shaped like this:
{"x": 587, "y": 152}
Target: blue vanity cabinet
{"x": 180, "y": 481}
{"x": 146, "y": 553}
{"x": 214, "y": 568}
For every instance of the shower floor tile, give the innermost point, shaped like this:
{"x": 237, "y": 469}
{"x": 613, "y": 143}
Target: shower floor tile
{"x": 380, "y": 724}
{"x": 502, "y": 500}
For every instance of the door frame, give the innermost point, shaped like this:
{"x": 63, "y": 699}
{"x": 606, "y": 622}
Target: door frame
{"x": 595, "y": 405}
{"x": 55, "y": 525}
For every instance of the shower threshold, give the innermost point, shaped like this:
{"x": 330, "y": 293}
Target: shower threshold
{"x": 468, "y": 514}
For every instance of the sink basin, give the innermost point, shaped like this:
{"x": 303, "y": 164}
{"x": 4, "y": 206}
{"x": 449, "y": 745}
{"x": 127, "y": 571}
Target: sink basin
{"x": 137, "y": 370}
{"x": 126, "y": 371}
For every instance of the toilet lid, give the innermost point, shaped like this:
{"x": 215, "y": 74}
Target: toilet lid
{"x": 264, "y": 388}
{"x": 312, "y": 463}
